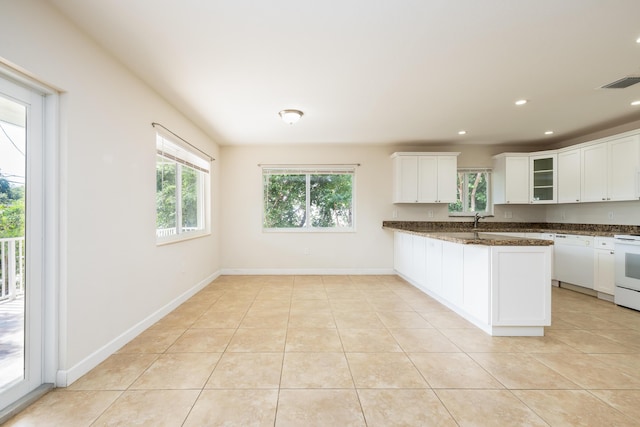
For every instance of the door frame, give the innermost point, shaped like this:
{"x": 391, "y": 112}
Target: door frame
{"x": 48, "y": 224}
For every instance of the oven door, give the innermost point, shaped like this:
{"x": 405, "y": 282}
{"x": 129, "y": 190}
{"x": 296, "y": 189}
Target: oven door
{"x": 627, "y": 265}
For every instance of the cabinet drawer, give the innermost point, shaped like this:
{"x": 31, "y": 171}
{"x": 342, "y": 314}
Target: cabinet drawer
{"x": 604, "y": 243}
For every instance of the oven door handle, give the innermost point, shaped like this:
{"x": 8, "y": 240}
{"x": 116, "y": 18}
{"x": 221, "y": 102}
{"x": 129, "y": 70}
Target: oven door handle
{"x": 622, "y": 241}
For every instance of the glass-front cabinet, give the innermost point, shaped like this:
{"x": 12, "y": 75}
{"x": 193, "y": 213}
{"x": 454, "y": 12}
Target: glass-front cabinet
{"x": 543, "y": 170}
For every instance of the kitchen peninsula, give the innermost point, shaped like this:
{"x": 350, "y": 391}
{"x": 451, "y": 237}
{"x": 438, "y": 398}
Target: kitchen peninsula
{"x": 502, "y": 284}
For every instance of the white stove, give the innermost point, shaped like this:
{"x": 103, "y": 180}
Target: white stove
{"x": 627, "y": 270}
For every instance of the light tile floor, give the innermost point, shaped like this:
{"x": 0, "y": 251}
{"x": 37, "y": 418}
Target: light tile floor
{"x": 356, "y": 351}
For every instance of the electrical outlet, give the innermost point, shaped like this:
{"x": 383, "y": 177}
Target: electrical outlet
{"x": 394, "y": 214}
{"x": 610, "y": 214}
{"x": 430, "y": 214}
{"x": 563, "y": 215}
{"x": 508, "y": 214}
{"x": 306, "y": 251}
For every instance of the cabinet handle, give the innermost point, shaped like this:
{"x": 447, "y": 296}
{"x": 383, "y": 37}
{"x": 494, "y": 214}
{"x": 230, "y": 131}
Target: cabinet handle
{"x": 604, "y": 198}
{"x": 612, "y": 253}
{"x": 577, "y": 200}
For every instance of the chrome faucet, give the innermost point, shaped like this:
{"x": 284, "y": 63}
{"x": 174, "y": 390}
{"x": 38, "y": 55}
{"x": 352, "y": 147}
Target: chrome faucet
{"x": 476, "y": 218}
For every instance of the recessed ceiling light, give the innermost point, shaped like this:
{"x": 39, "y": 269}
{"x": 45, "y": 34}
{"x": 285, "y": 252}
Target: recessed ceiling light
{"x": 634, "y": 103}
{"x": 462, "y": 132}
{"x": 638, "y": 40}
{"x": 549, "y": 132}
{"x": 521, "y": 101}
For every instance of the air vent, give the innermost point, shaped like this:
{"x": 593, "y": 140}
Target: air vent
{"x": 622, "y": 83}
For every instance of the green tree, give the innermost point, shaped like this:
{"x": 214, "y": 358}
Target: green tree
{"x": 165, "y": 195}
{"x": 284, "y": 201}
{"x": 189, "y": 197}
{"x": 12, "y": 209}
{"x": 474, "y": 196}
{"x": 330, "y": 200}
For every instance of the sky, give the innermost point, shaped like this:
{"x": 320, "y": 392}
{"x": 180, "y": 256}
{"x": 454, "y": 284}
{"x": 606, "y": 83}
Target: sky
{"x": 12, "y": 159}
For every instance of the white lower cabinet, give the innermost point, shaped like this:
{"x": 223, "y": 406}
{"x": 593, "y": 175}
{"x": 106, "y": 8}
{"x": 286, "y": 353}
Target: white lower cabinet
{"x": 434, "y": 265}
{"x": 604, "y": 272}
{"x": 476, "y": 282}
{"x": 419, "y": 270}
{"x": 518, "y": 297}
{"x": 410, "y": 257}
{"x": 504, "y": 290}
{"x": 452, "y": 274}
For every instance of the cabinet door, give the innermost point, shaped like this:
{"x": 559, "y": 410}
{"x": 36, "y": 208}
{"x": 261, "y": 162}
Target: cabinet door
{"x": 428, "y": 179}
{"x": 543, "y": 178}
{"x": 434, "y": 265}
{"x": 517, "y": 180}
{"x": 605, "y": 271}
{"x": 594, "y": 173}
{"x": 476, "y": 286}
{"x": 624, "y": 160}
{"x": 406, "y": 179}
{"x": 569, "y": 176}
{"x": 403, "y": 253}
{"x": 452, "y": 272}
{"x": 419, "y": 273}
{"x": 447, "y": 179}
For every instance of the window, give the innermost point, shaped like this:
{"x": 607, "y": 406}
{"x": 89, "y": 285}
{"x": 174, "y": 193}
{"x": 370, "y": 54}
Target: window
{"x": 308, "y": 199}
{"x": 182, "y": 179}
{"x": 473, "y": 193}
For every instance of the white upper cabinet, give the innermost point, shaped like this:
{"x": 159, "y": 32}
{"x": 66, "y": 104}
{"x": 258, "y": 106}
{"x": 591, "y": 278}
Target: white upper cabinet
{"x": 543, "y": 178}
{"x": 624, "y": 168}
{"x": 569, "y": 166}
{"x": 610, "y": 170}
{"x": 594, "y": 173}
{"x": 510, "y": 179}
{"x": 405, "y": 179}
{"x": 447, "y": 179}
{"x": 424, "y": 177}
{"x": 598, "y": 171}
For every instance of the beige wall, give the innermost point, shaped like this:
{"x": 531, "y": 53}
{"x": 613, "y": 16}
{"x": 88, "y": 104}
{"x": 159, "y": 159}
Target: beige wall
{"x": 247, "y": 247}
{"x": 627, "y": 213}
{"x": 113, "y": 274}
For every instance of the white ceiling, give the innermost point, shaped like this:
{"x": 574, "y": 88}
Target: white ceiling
{"x": 379, "y": 71}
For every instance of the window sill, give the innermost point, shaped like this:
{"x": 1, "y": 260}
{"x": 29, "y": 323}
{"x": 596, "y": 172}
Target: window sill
{"x": 468, "y": 214}
{"x": 181, "y": 237}
{"x": 309, "y": 230}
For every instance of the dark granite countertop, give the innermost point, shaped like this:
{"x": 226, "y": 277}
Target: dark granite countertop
{"x": 475, "y": 238}
{"x": 463, "y": 232}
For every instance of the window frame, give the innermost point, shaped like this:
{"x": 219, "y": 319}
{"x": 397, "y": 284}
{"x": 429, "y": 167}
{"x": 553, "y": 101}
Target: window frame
{"x": 173, "y": 151}
{"x": 465, "y": 209}
{"x": 308, "y": 171}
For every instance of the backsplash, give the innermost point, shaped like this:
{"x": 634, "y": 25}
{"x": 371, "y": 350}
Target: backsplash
{"x": 607, "y": 213}
{"x": 512, "y": 226}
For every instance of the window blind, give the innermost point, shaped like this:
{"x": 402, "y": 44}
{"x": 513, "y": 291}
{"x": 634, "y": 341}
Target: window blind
{"x": 325, "y": 170}
{"x": 171, "y": 150}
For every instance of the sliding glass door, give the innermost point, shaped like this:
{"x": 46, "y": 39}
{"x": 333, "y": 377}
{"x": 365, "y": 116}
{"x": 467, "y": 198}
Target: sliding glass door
{"x": 21, "y": 241}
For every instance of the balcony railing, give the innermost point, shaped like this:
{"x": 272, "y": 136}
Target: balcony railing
{"x": 12, "y": 267}
{"x": 166, "y": 232}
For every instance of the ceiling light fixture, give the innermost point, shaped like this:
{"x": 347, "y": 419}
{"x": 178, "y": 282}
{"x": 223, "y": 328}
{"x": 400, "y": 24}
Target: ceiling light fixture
{"x": 638, "y": 40}
{"x": 549, "y": 132}
{"x": 634, "y": 103}
{"x": 521, "y": 101}
{"x": 290, "y": 116}
{"x": 462, "y": 132}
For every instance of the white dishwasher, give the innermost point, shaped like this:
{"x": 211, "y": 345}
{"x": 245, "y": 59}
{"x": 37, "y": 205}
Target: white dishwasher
{"x": 574, "y": 259}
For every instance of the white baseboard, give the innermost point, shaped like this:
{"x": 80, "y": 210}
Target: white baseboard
{"x": 65, "y": 378}
{"x": 307, "y": 271}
